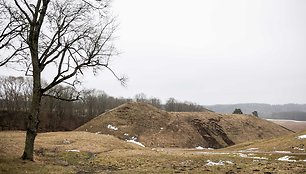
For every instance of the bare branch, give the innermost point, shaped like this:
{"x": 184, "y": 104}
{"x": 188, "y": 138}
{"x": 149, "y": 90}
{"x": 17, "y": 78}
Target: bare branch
{"x": 23, "y": 12}
{"x": 62, "y": 98}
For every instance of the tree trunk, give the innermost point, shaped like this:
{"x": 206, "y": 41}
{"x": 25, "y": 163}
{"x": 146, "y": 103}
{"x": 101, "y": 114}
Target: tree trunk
{"x": 32, "y": 126}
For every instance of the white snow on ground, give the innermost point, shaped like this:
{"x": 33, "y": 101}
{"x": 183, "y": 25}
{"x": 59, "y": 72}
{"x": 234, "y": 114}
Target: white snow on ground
{"x": 256, "y": 157}
{"x": 252, "y": 157}
{"x": 282, "y": 152}
{"x": 135, "y": 142}
{"x": 126, "y": 134}
{"x": 73, "y": 150}
{"x": 297, "y": 148}
{"x": 243, "y": 155}
{"x": 250, "y": 150}
{"x": 215, "y": 153}
{"x": 112, "y": 127}
{"x": 286, "y": 158}
{"x": 211, "y": 163}
{"x": 66, "y": 141}
{"x": 229, "y": 162}
{"x": 220, "y": 163}
{"x": 203, "y": 148}
{"x": 98, "y": 132}
{"x": 200, "y": 148}
{"x": 301, "y": 137}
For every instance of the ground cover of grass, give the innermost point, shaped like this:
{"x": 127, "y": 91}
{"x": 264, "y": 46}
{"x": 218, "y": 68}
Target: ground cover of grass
{"x": 83, "y": 152}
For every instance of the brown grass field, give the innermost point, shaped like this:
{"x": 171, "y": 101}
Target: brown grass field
{"x": 291, "y": 124}
{"x": 83, "y": 152}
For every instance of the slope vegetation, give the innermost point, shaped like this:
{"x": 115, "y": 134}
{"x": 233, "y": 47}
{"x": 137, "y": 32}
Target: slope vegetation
{"x": 156, "y": 128}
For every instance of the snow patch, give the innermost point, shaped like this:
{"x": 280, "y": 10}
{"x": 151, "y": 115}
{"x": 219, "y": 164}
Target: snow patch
{"x": 229, "y": 162}
{"x": 66, "y": 141}
{"x": 126, "y": 134}
{"x": 301, "y": 137}
{"x": 112, "y": 127}
{"x": 242, "y": 155}
{"x": 215, "y": 153}
{"x": 203, "y": 148}
{"x": 297, "y": 148}
{"x": 260, "y": 158}
{"x": 134, "y": 138}
{"x": 282, "y": 152}
{"x": 220, "y": 163}
{"x": 135, "y": 142}
{"x": 286, "y": 158}
{"x": 211, "y": 163}
{"x": 200, "y": 148}
{"x": 98, "y": 133}
{"x": 73, "y": 150}
{"x": 253, "y": 149}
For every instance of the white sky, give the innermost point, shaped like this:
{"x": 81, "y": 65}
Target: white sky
{"x": 210, "y": 51}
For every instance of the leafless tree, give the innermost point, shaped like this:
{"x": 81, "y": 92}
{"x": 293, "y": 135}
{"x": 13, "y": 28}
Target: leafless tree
{"x": 141, "y": 97}
{"x": 15, "y": 93}
{"x": 57, "y": 38}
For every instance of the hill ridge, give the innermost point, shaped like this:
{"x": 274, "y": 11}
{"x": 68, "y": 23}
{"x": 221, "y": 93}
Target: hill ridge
{"x": 157, "y": 128}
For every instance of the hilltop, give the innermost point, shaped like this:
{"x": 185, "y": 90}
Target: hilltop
{"x": 157, "y": 128}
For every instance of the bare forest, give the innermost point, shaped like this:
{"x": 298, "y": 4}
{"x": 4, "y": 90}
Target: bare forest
{"x": 61, "y": 115}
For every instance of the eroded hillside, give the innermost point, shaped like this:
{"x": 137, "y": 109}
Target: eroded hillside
{"x": 156, "y": 128}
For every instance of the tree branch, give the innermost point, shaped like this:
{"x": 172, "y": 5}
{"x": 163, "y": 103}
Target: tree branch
{"x": 61, "y": 98}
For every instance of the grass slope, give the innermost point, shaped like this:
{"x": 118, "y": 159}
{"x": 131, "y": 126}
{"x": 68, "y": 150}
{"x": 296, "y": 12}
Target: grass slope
{"x": 107, "y": 154}
{"x": 294, "y": 125}
{"x": 157, "y": 128}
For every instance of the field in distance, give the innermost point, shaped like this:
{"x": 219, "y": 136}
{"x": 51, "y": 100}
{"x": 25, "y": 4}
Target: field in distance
{"x": 84, "y": 152}
{"x": 290, "y": 124}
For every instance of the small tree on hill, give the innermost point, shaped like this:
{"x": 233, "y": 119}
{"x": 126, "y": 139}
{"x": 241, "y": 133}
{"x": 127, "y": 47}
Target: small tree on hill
{"x": 237, "y": 111}
{"x": 66, "y": 36}
{"x": 255, "y": 113}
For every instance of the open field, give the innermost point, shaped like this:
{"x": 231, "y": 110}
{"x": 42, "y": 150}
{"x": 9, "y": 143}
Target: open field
{"x": 83, "y": 152}
{"x": 291, "y": 124}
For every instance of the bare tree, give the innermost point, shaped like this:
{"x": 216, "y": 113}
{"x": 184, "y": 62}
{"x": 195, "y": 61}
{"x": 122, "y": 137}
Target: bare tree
{"x": 141, "y": 97}
{"x": 15, "y": 93}
{"x": 60, "y": 38}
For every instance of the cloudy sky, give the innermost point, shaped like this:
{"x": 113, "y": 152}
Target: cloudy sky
{"x": 210, "y": 51}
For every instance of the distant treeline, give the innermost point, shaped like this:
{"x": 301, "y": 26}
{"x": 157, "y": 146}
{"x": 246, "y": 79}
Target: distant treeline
{"x": 293, "y": 115}
{"x": 287, "y": 111}
{"x": 68, "y": 108}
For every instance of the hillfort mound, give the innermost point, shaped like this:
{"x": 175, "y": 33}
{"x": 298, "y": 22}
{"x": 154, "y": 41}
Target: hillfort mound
{"x": 152, "y": 127}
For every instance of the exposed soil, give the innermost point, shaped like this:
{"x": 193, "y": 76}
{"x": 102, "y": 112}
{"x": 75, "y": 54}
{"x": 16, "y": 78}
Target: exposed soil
{"x": 157, "y": 128}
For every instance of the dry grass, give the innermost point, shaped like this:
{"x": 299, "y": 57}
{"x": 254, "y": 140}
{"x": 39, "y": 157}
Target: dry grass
{"x": 284, "y": 143}
{"x": 296, "y": 126}
{"x": 156, "y": 128}
{"x": 107, "y": 154}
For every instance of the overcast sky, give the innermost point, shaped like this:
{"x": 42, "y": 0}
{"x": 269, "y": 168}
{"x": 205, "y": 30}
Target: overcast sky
{"x": 210, "y": 51}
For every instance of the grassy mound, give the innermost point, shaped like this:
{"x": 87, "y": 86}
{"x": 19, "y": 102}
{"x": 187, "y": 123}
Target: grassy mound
{"x": 156, "y": 128}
